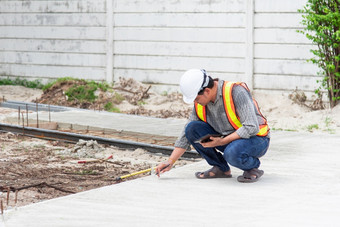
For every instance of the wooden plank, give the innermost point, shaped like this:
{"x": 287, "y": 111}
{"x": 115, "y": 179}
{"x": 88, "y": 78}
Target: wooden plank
{"x": 288, "y": 36}
{"x": 279, "y": 5}
{"x": 53, "y": 6}
{"x": 284, "y": 67}
{"x": 52, "y": 45}
{"x": 180, "y": 34}
{"x": 67, "y": 59}
{"x": 179, "y": 63}
{"x": 52, "y": 72}
{"x": 284, "y": 51}
{"x": 224, "y": 6}
{"x": 50, "y": 19}
{"x": 169, "y": 77}
{"x": 218, "y": 20}
{"x": 87, "y": 33}
{"x": 278, "y": 20}
{"x": 180, "y": 49}
{"x": 286, "y": 82}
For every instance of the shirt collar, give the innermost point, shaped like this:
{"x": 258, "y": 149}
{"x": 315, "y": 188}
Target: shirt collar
{"x": 219, "y": 91}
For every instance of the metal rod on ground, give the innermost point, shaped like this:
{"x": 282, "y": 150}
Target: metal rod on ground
{"x": 37, "y": 115}
{"x": 26, "y": 115}
{"x": 49, "y": 113}
{"x": 7, "y": 199}
{"x": 16, "y": 198}
{"x": 2, "y": 207}
{"x": 19, "y": 115}
{"x": 23, "y": 124}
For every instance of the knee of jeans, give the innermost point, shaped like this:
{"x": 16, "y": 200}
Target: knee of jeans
{"x": 190, "y": 130}
{"x": 233, "y": 157}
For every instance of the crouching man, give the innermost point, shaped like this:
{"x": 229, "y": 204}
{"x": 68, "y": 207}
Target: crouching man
{"x": 224, "y": 112}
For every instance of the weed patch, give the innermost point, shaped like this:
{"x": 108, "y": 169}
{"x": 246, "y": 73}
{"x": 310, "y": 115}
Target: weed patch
{"x": 22, "y": 82}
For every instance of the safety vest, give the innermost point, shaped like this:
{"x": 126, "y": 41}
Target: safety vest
{"x": 229, "y": 107}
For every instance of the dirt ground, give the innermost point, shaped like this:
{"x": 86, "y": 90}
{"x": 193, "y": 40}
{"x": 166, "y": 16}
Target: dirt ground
{"x": 39, "y": 170}
{"x": 34, "y": 170}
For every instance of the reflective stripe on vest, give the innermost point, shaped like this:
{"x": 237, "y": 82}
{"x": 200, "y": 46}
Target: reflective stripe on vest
{"x": 229, "y": 105}
{"x": 200, "y": 111}
{"x": 230, "y": 109}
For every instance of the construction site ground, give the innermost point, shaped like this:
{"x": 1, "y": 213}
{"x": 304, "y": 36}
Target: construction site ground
{"x": 300, "y": 187}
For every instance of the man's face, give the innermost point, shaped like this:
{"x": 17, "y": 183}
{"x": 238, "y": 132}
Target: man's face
{"x": 203, "y": 99}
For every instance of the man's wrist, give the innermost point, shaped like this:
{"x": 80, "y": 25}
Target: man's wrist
{"x": 171, "y": 161}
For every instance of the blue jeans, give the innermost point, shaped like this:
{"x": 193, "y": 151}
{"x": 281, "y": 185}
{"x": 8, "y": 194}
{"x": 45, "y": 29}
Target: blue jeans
{"x": 242, "y": 153}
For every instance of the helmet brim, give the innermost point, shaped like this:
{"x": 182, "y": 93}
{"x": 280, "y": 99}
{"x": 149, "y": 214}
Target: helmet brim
{"x": 189, "y": 100}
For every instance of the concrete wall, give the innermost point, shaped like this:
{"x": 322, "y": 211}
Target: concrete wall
{"x": 51, "y": 39}
{"x": 158, "y": 40}
{"x": 155, "y": 41}
{"x": 280, "y": 53}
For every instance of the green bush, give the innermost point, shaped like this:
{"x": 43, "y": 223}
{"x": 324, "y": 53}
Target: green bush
{"x": 321, "y": 19}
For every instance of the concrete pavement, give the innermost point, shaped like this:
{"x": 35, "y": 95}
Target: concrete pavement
{"x": 103, "y": 119}
{"x": 300, "y": 187}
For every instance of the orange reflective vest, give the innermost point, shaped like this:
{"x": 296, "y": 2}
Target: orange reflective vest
{"x": 229, "y": 107}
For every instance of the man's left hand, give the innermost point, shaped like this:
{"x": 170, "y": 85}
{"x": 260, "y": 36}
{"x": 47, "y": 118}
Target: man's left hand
{"x": 215, "y": 142}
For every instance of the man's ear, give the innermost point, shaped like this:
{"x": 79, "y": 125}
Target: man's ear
{"x": 208, "y": 91}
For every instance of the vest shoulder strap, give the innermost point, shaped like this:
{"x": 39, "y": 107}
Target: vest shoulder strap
{"x": 201, "y": 112}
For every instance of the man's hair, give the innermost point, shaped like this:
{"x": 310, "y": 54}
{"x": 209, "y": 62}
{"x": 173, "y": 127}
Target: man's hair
{"x": 211, "y": 82}
{"x": 210, "y": 85}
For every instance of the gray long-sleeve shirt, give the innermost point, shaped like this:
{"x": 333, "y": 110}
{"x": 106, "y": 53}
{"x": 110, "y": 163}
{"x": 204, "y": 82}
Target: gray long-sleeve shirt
{"x": 218, "y": 120}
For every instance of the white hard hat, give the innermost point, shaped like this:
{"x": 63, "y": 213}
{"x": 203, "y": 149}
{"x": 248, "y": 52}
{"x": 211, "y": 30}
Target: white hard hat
{"x": 192, "y": 82}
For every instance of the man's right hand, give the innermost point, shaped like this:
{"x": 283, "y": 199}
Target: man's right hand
{"x": 167, "y": 165}
{"x": 163, "y": 167}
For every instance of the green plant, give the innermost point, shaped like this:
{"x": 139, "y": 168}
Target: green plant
{"x": 164, "y": 93}
{"x": 86, "y": 172}
{"x": 118, "y": 98}
{"x": 59, "y": 80}
{"x": 311, "y": 127}
{"x": 141, "y": 103}
{"x": 111, "y": 108}
{"x": 103, "y": 86}
{"x": 321, "y": 19}
{"x": 22, "y": 82}
{"x": 328, "y": 122}
{"x": 82, "y": 92}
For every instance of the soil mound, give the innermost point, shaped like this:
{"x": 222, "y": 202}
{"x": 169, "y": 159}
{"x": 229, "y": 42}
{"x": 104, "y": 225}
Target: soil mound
{"x": 126, "y": 96}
